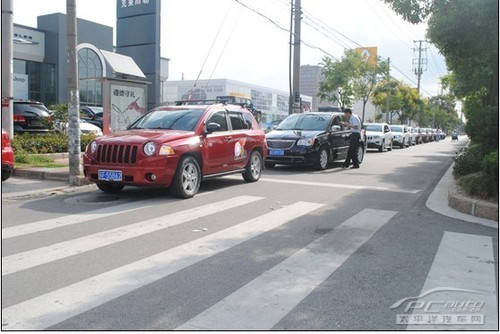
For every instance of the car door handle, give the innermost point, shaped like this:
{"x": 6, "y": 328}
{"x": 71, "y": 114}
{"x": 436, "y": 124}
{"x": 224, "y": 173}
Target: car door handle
{"x": 228, "y": 138}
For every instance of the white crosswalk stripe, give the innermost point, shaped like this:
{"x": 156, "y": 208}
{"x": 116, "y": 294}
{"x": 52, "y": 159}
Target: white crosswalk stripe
{"x": 459, "y": 293}
{"x": 46, "y": 310}
{"x": 35, "y": 257}
{"x": 264, "y": 301}
{"x": 49, "y": 224}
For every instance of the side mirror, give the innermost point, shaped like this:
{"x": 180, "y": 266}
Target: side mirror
{"x": 212, "y": 127}
{"x": 336, "y": 128}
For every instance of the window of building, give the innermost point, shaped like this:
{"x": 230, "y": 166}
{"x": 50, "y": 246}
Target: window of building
{"x": 90, "y": 73}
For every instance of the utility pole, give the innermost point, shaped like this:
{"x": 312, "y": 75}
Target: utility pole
{"x": 295, "y": 98}
{"x": 7, "y": 67}
{"x": 419, "y": 62}
{"x": 73, "y": 94}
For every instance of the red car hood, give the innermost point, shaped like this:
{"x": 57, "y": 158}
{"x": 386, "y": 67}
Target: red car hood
{"x": 143, "y": 136}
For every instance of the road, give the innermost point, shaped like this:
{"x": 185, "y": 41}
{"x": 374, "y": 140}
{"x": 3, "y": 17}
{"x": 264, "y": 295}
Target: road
{"x": 298, "y": 250}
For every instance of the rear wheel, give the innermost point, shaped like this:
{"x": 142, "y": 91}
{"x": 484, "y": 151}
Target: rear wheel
{"x": 253, "y": 170}
{"x": 187, "y": 179}
{"x": 322, "y": 162}
{"x": 361, "y": 152}
{"x": 110, "y": 187}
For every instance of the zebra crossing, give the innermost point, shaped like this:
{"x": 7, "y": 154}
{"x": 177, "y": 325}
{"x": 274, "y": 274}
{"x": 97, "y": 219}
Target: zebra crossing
{"x": 260, "y": 303}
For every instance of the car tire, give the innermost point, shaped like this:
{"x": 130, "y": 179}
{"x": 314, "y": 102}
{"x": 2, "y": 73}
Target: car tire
{"x": 6, "y": 174}
{"x": 382, "y": 146}
{"x": 253, "y": 170}
{"x": 390, "y": 147}
{"x": 110, "y": 187}
{"x": 187, "y": 178}
{"x": 322, "y": 161}
{"x": 361, "y": 153}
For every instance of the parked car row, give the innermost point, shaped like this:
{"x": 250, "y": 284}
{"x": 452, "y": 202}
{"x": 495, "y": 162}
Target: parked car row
{"x": 33, "y": 117}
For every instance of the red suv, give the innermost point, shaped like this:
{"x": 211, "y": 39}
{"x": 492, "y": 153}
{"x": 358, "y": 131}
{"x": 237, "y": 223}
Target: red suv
{"x": 7, "y": 156}
{"x": 177, "y": 147}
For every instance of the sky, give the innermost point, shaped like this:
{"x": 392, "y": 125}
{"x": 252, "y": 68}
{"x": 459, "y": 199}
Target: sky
{"x": 248, "y": 40}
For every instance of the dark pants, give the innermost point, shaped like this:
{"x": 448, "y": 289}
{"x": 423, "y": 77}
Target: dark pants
{"x": 352, "y": 153}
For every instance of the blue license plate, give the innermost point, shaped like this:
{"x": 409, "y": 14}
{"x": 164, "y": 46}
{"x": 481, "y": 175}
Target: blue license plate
{"x": 110, "y": 175}
{"x": 276, "y": 152}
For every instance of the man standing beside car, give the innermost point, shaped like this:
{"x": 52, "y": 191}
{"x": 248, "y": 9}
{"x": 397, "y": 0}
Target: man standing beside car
{"x": 352, "y": 153}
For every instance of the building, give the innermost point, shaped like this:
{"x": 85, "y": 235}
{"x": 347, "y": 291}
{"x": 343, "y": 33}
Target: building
{"x": 40, "y": 59}
{"x": 310, "y": 77}
{"x": 272, "y": 102}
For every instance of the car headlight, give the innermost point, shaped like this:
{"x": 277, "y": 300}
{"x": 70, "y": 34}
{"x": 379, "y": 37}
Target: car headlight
{"x": 149, "y": 148}
{"x": 376, "y": 137}
{"x": 166, "y": 150}
{"x": 93, "y": 147}
{"x": 306, "y": 142}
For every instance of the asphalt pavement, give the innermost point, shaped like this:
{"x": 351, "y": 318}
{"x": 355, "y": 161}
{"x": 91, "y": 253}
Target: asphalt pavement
{"x": 38, "y": 181}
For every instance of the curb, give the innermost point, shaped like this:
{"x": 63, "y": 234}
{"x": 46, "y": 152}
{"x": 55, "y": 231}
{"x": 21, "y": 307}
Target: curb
{"x": 471, "y": 206}
{"x": 55, "y": 174}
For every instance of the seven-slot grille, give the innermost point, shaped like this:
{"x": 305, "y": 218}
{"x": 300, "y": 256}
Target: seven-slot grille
{"x": 280, "y": 144}
{"x": 117, "y": 154}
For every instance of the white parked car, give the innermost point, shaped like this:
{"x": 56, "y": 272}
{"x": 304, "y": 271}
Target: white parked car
{"x": 402, "y": 137}
{"x": 85, "y": 128}
{"x": 379, "y": 136}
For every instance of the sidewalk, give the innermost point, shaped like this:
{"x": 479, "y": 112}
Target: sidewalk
{"x": 446, "y": 199}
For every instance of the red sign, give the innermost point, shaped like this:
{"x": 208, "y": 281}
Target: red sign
{"x": 5, "y": 101}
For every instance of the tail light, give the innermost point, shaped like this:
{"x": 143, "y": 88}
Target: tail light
{"x": 19, "y": 118}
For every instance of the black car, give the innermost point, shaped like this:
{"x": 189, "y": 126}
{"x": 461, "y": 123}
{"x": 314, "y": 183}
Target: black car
{"x": 315, "y": 138}
{"x": 31, "y": 117}
{"x": 92, "y": 115}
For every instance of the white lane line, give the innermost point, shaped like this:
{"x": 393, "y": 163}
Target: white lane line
{"x": 21, "y": 261}
{"x": 263, "y": 302}
{"x": 462, "y": 262}
{"x": 51, "y": 308}
{"x": 338, "y": 185}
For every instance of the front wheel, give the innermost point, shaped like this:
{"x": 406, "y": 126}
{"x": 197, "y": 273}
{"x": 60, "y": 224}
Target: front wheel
{"x": 253, "y": 170}
{"x": 382, "y": 146}
{"x": 322, "y": 162}
{"x": 187, "y": 179}
{"x": 110, "y": 187}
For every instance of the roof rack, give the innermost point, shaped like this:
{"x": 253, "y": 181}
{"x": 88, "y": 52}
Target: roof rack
{"x": 198, "y": 102}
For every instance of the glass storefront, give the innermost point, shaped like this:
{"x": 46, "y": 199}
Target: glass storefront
{"x": 41, "y": 84}
{"x": 90, "y": 75}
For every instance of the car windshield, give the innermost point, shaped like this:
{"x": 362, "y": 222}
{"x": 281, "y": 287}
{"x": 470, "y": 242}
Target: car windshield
{"x": 305, "y": 122}
{"x": 169, "y": 119}
{"x": 396, "y": 129}
{"x": 373, "y": 127}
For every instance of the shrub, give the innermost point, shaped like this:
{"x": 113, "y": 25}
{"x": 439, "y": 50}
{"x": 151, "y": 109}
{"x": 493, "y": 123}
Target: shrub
{"x": 490, "y": 167}
{"x": 468, "y": 162}
{"x": 46, "y": 143}
{"x": 478, "y": 185}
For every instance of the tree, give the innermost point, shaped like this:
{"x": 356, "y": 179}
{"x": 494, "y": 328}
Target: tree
{"x": 466, "y": 34}
{"x": 365, "y": 83}
{"x": 349, "y": 79}
{"x": 404, "y": 100}
{"x": 335, "y": 86}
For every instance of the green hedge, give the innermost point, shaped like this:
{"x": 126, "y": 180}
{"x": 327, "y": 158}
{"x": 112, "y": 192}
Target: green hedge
{"x": 47, "y": 143}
